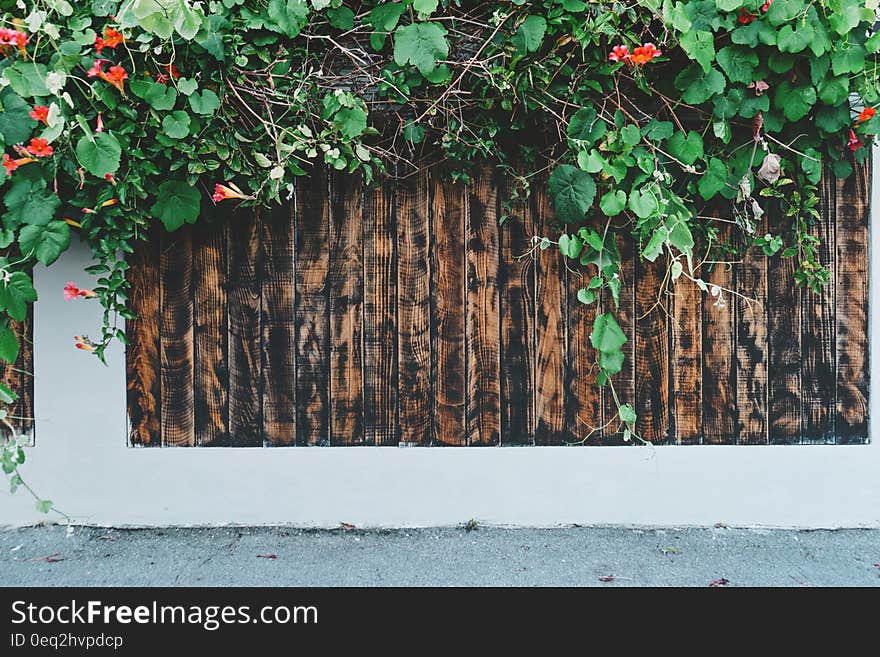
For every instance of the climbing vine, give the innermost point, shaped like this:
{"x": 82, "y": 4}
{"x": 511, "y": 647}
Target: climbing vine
{"x": 656, "y": 119}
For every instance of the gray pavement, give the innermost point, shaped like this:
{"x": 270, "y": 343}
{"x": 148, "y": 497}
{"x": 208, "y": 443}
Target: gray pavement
{"x": 467, "y": 555}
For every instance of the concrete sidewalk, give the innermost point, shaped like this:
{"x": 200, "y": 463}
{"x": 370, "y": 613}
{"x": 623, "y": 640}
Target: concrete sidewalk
{"x": 474, "y": 556}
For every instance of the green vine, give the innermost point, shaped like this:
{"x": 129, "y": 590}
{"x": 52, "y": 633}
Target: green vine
{"x": 663, "y": 121}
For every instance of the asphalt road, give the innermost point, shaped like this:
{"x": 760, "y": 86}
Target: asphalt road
{"x": 475, "y": 556}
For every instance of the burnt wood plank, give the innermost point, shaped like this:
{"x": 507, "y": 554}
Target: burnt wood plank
{"x": 278, "y": 283}
{"x": 211, "y": 371}
{"x": 449, "y": 213}
{"x": 818, "y": 379}
{"x": 624, "y": 382}
{"x": 346, "y": 283}
{"x": 312, "y": 310}
{"x": 143, "y": 389}
{"x": 482, "y": 327}
{"x": 380, "y": 316}
{"x": 652, "y": 352}
{"x": 244, "y": 307}
{"x": 583, "y": 396}
{"x": 414, "y": 310}
{"x": 18, "y": 377}
{"x": 784, "y": 353}
{"x": 687, "y": 362}
{"x": 176, "y": 348}
{"x": 851, "y": 317}
{"x": 751, "y": 346}
{"x": 517, "y": 300}
{"x": 550, "y": 325}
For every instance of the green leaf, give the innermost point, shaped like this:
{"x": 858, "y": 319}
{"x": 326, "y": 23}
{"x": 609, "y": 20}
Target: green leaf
{"x": 654, "y": 247}
{"x": 680, "y": 235}
{"x": 27, "y": 78}
{"x": 782, "y": 11}
{"x": 187, "y": 20}
{"x": 611, "y": 362}
{"x": 698, "y": 85}
{"x": 586, "y": 296}
{"x": 30, "y": 202}
{"x": 177, "y": 203}
{"x": 100, "y": 154}
{"x": 204, "y": 103}
{"x": 658, "y": 130}
{"x": 700, "y": 46}
{"x": 45, "y": 242}
{"x": 714, "y": 180}
{"x": 530, "y": 34}
{"x": 572, "y": 191}
{"x": 7, "y": 395}
{"x": 16, "y": 293}
{"x": 627, "y": 414}
{"x": 16, "y": 125}
{"x": 738, "y": 63}
{"x": 43, "y": 506}
{"x": 187, "y": 86}
{"x": 643, "y": 203}
{"x": 9, "y": 346}
{"x": 728, "y": 5}
{"x": 794, "y": 102}
{"x": 686, "y": 148}
{"x": 154, "y": 16}
{"x": 176, "y": 125}
{"x": 351, "y": 122}
{"x": 420, "y": 44}
{"x": 791, "y": 40}
{"x": 848, "y": 14}
{"x": 833, "y": 91}
{"x": 613, "y": 202}
{"x": 848, "y": 60}
{"x": 607, "y": 335}
{"x": 158, "y": 96}
{"x": 342, "y": 18}
{"x": 586, "y": 127}
{"x": 288, "y": 17}
{"x": 425, "y": 7}
{"x": 630, "y": 134}
{"x": 812, "y": 165}
{"x": 570, "y": 246}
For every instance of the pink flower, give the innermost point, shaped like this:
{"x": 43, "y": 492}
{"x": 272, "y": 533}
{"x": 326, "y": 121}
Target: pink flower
{"x": 71, "y": 291}
{"x": 619, "y": 53}
{"x": 222, "y": 192}
{"x": 854, "y": 142}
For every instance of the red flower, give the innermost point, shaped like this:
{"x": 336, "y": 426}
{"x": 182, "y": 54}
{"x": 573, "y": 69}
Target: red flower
{"x": 619, "y": 53}
{"x": 644, "y": 54}
{"x": 39, "y": 148}
{"x": 766, "y": 6}
{"x": 854, "y": 142}
{"x": 115, "y": 75}
{"x": 866, "y": 114}
{"x": 745, "y": 17}
{"x": 40, "y": 113}
{"x": 11, "y": 165}
{"x": 71, "y": 291}
{"x": 97, "y": 69}
{"x": 222, "y": 192}
{"x": 111, "y": 39}
{"x": 9, "y": 37}
{"x": 161, "y": 78}
{"x": 172, "y": 71}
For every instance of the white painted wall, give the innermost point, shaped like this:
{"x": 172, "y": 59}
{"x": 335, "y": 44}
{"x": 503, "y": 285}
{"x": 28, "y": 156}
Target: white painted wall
{"x": 81, "y": 461}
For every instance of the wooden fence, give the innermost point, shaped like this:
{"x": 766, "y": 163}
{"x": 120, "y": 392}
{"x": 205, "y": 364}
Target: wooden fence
{"x": 404, "y": 314}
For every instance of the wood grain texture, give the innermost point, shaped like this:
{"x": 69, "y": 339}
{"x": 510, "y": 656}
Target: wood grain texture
{"x": 312, "y": 311}
{"x": 19, "y": 378}
{"x": 652, "y": 352}
{"x": 687, "y": 362}
{"x": 517, "y": 312}
{"x": 449, "y": 215}
{"x": 818, "y": 379}
{"x": 583, "y": 397}
{"x": 380, "y": 316}
{"x": 210, "y": 334}
{"x": 482, "y": 325}
{"x": 176, "y": 349}
{"x": 851, "y": 317}
{"x": 346, "y": 292}
{"x": 751, "y": 347}
{"x": 550, "y": 327}
{"x": 244, "y": 299}
{"x": 414, "y": 311}
{"x": 278, "y": 323}
{"x": 143, "y": 366}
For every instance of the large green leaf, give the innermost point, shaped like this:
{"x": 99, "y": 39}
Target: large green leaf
{"x": 794, "y": 101}
{"x": 738, "y": 63}
{"x": 16, "y": 293}
{"x": 99, "y": 155}
{"x": 8, "y": 344}
{"x": 288, "y": 17}
{"x": 607, "y": 335}
{"x": 351, "y": 121}
{"x": 176, "y": 124}
{"x": 159, "y": 96}
{"x": 585, "y": 126}
{"x": 572, "y": 191}
{"x": 686, "y": 148}
{"x": 29, "y": 202}
{"x": 698, "y": 85}
{"x": 45, "y": 242}
{"x": 420, "y": 44}
{"x": 204, "y": 103}
{"x": 27, "y": 78}
{"x": 791, "y": 40}
{"x": 177, "y": 203}
{"x": 15, "y": 124}
{"x": 530, "y": 34}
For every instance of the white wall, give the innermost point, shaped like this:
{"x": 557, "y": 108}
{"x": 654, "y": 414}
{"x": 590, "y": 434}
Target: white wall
{"x": 81, "y": 461}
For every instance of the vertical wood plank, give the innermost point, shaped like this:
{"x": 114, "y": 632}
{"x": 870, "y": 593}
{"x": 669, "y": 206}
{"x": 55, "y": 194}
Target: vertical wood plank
{"x": 751, "y": 347}
{"x": 851, "y": 293}
{"x": 517, "y": 301}
{"x": 143, "y": 389}
{"x": 687, "y": 362}
{"x": 449, "y": 212}
{"x": 719, "y": 354}
{"x": 176, "y": 348}
{"x": 550, "y": 326}
{"x": 380, "y": 316}
{"x": 244, "y": 307}
{"x": 346, "y": 282}
{"x": 652, "y": 352}
{"x": 784, "y": 340}
{"x": 312, "y": 310}
{"x": 818, "y": 379}
{"x": 414, "y": 310}
{"x": 25, "y": 362}
{"x": 482, "y": 323}
{"x": 211, "y": 370}
{"x": 624, "y": 382}
{"x": 583, "y": 396}
{"x": 278, "y": 282}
